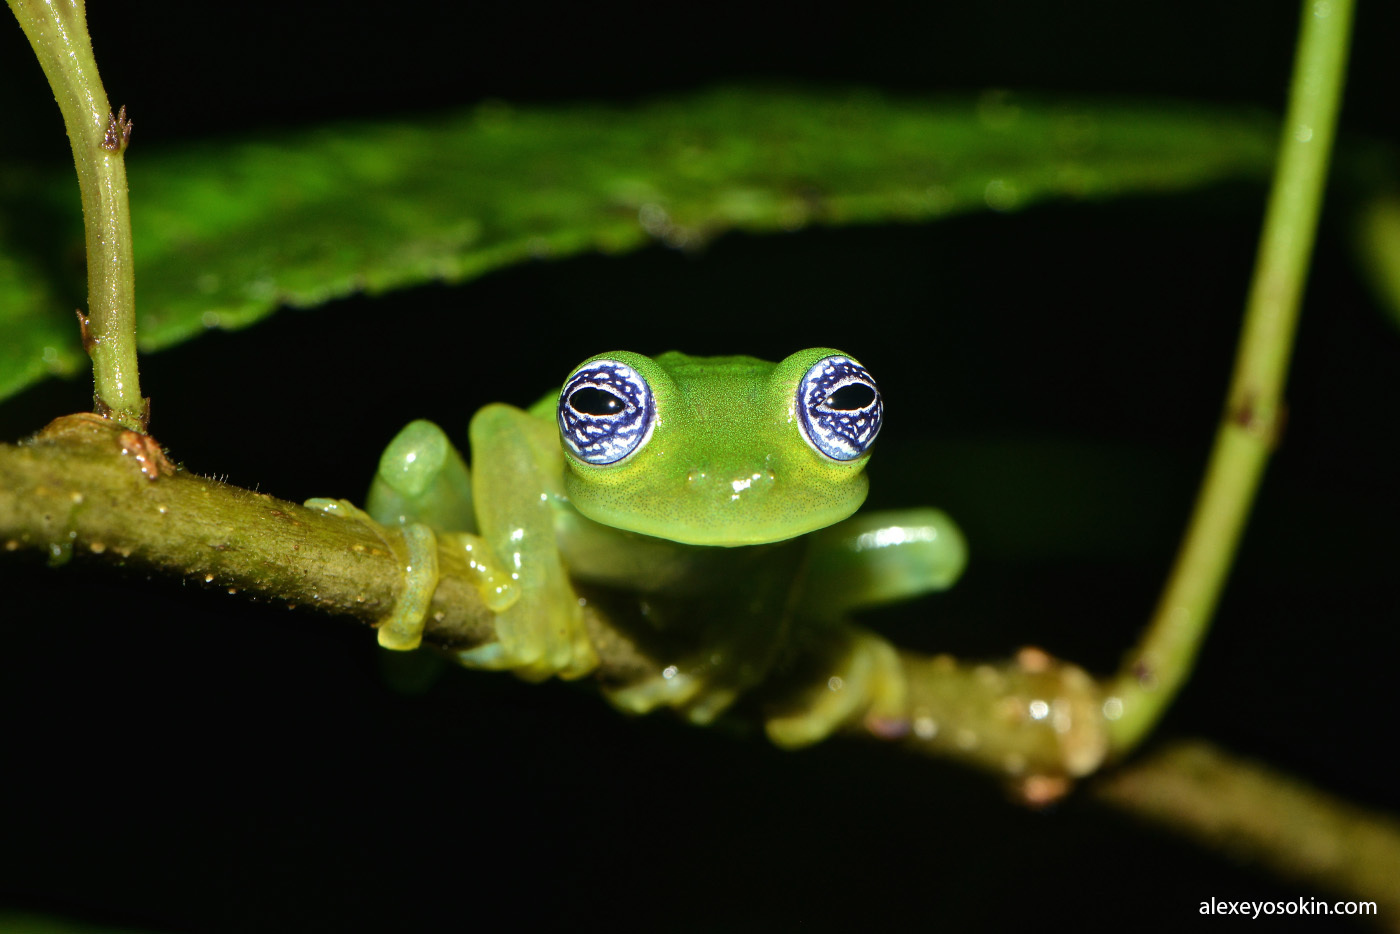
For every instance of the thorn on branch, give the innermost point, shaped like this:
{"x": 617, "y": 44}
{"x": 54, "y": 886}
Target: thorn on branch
{"x": 118, "y": 135}
{"x": 85, "y": 332}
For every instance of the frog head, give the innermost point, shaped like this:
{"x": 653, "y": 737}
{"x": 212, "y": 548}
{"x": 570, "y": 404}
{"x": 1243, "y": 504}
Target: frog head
{"x": 718, "y": 450}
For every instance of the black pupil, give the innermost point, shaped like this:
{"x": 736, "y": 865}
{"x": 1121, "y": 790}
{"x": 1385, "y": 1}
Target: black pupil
{"x": 851, "y": 398}
{"x": 593, "y": 401}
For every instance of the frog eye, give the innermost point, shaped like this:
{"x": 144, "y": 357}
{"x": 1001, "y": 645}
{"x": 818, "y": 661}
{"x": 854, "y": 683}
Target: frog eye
{"x": 606, "y": 412}
{"x": 839, "y": 408}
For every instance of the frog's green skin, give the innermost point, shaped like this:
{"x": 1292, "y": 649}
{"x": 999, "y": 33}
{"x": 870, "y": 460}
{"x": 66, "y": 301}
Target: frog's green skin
{"x": 724, "y": 461}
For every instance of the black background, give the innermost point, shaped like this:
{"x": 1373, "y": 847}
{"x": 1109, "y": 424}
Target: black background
{"x": 177, "y": 759}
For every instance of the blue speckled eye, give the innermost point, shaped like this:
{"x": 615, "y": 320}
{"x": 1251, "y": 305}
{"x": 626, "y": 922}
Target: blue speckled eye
{"x": 606, "y": 412}
{"x": 839, "y": 408}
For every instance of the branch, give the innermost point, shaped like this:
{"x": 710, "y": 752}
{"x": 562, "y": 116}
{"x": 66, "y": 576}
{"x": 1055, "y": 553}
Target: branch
{"x": 1258, "y": 815}
{"x": 86, "y": 486}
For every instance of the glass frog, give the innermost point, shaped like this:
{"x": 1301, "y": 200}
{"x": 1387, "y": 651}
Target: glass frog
{"x": 717, "y": 493}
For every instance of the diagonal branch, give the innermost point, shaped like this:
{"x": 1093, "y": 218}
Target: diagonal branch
{"x": 1258, "y": 815}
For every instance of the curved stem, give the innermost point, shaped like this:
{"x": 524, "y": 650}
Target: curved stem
{"x": 57, "y": 30}
{"x": 1158, "y": 666}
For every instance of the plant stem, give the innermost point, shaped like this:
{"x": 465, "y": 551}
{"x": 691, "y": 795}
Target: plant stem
{"x": 57, "y": 30}
{"x": 1157, "y": 667}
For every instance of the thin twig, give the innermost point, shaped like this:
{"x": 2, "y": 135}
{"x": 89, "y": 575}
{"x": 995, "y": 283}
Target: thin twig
{"x": 57, "y": 29}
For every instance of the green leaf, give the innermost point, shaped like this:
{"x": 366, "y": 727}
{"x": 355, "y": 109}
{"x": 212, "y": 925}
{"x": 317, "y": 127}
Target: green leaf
{"x": 226, "y": 232}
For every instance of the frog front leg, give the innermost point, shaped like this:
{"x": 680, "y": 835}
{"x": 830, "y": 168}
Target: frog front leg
{"x": 868, "y": 560}
{"x": 423, "y": 484}
{"x": 877, "y": 558}
{"x": 517, "y": 488}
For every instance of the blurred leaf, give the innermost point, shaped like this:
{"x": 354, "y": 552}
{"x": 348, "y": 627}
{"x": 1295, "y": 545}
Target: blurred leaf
{"x": 226, "y": 232}
{"x": 38, "y": 330}
{"x": 1378, "y": 235}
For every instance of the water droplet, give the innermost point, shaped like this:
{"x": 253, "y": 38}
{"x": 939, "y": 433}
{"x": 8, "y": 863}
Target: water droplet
{"x": 60, "y": 553}
{"x": 1061, "y": 717}
{"x": 1001, "y": 195}
{"x": 263, "y": 288}
{"x": 654, "y": 219}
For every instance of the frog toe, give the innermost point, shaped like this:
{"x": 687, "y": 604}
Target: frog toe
{"x": 866, "y": 682}
{"x": 535, "y": 652}
{"x": 671, "y": 688}
{"x": 567, "y": 661}
{"x": 710, "y": 703}
{"x": 489, "y": 656}
{"x": 698, "y": 698}
{"x": 415, "y": 548}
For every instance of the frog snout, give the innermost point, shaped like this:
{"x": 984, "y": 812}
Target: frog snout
{"x": 731, "y": 485}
